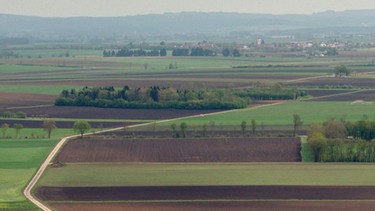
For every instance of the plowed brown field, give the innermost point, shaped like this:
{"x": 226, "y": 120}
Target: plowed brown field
{"x": 182, "y": 150}
{"x": 219, "y": 206}
{"x": 206, "y": 193}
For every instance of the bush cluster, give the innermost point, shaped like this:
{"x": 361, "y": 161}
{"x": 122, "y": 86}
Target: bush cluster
{"x": 17, "y": 115}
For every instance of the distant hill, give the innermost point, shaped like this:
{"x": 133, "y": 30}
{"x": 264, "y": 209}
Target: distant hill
{"x": 185, "y": 25}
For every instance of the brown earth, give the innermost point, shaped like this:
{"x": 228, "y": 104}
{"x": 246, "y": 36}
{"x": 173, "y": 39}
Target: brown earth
{"x": 334, "y": 82}
{"x": 182, "y": 150}
{"x": 205, "y": 193}
{"x": 9, "y": 100}
{"x": 218, "y": 206}
{"x": 366, "y": 95}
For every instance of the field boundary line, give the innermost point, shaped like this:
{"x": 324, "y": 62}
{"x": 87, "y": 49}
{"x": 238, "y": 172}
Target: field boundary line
{"x": 28, "y": 190}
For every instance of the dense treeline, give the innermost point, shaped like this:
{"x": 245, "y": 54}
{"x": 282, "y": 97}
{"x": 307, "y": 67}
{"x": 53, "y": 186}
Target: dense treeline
{"x": 343, "y": 141}
{"x": 125, "y": 52}
{"x": 271, "y": 92}
{"x": 136, "y": 52}
{"x": 198, "y": 51}
{"x": 339, "y": 150}
{"x": 151, "y": 97}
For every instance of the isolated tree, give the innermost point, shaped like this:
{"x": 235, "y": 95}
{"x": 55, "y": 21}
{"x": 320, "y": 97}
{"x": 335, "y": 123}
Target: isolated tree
{"x": 297, "y": 123}
{"x": 236, "y": 53}
{"x": 18, "y": 128}
{"x": 173, "y": 127}
{"x": 49, "y": 126}
{"x": 226, "y": 52}
{"x": 183, "y": 127}
{"x": 204, "y": 129}
{"x": 81, "y": 126}
{"x": 145, "y": 65}
{"x": 163, "y": 52}
{"x": 243, "y": 127}
{"x": 4, "y": 128}
{"x": 253, "y": 125}
{"x": 341, "y": 70}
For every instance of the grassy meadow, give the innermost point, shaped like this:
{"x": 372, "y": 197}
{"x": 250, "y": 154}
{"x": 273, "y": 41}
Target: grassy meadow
{"x": 170, "y": 174}
{"x": 282, "y": 114}
{"x": 19, "y": 160}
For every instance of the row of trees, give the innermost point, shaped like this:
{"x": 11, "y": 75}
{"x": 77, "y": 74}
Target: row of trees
{"x": 17, "y": 115}
{"x": 297, "y": 124}
{"x": 47, "y": 125}
{"x": 271, "y": 92}
{"x": 134, "y": 52}
{"x": 79, "y": 126}
{"x": 195, "y": 51}
{"x": 343, "y": 141}
{"x": 198, "y": 51}
{"x": 152, "y": 97}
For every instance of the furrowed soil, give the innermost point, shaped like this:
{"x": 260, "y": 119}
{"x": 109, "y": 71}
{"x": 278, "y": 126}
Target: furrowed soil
{"x": 219, "y": 206}
{"x": 206, "y": 193}
{"x": 182, "y": 150}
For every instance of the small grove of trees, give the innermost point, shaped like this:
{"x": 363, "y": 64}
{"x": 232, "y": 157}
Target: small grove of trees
{"x": 343, "y": 141}
{"x": 81, "y": 126}
{"x": 152, "y": 97}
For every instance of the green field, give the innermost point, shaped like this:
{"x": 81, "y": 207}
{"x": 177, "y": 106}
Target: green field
{"x": 282, "y": 114}
{"x": 35, "y": 133}
{"x": 170, "y": 174}
{"x": 19, "y": 160}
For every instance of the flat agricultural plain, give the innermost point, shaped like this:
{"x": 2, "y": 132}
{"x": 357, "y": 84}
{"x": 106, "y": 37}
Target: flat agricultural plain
{"x": 184, "y": 174}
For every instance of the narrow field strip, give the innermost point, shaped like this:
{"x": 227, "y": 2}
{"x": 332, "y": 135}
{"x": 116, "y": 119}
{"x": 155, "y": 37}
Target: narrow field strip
{"x": 206, "y": 193}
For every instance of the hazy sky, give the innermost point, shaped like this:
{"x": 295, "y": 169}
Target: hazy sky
{"x": 70, "y": 8}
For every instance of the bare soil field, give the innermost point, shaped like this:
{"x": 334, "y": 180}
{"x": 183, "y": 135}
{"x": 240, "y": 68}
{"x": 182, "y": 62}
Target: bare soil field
{"x": 206, "y": 193}
{"x": 11, "y": 100}
{"x": 325, "y": 92}
{"x": 335, "y": 82}
{"x": 182, "y": 150}
{"x": 218, "y": 206}
{"x": 111, "y": 113}
{"x": 366, "y": 95}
